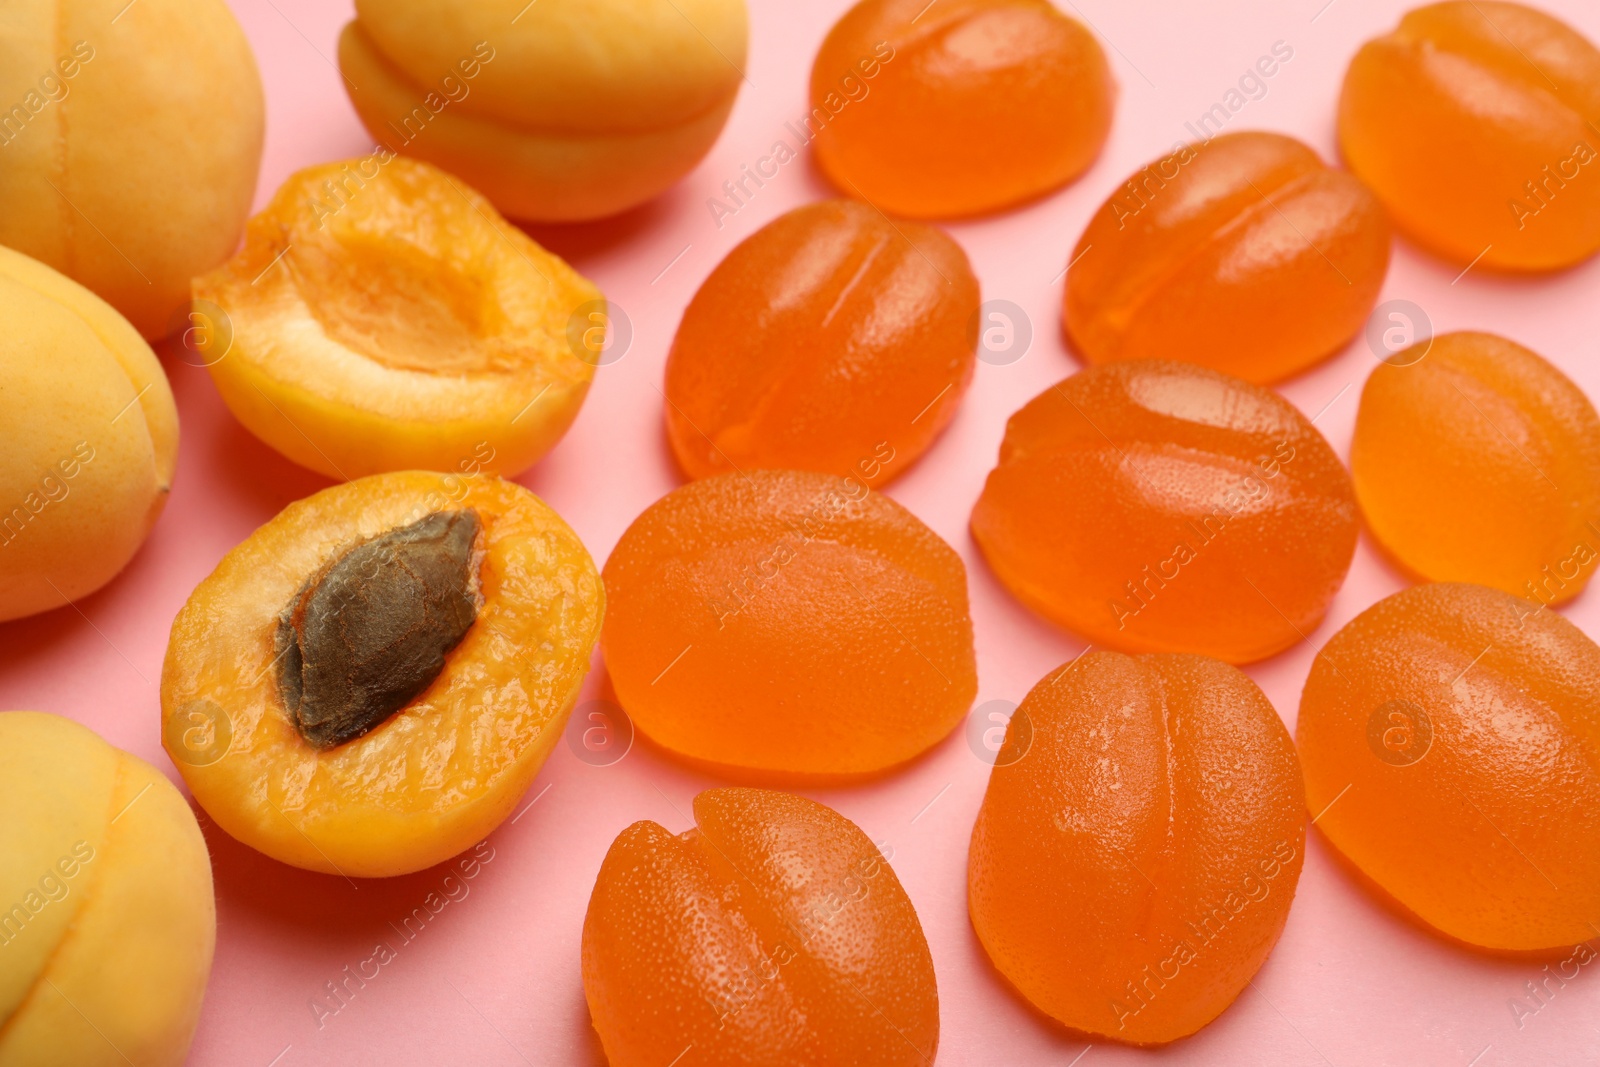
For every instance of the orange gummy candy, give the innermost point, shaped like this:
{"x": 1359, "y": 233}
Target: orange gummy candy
{"x": 1164, "y": 507}
{"x": 1139, "y": 845}
{"x": 774, "y": 932}
{"x": 1451, "y": 738}
{"x": 788, "y": 622}
{"x": 1475, "y": 122}
{"x": 1245, "y": 253}
{"x": 1477, "y": 461}
{"x": 830, "y": 340}
{"x": 960, "y": 107}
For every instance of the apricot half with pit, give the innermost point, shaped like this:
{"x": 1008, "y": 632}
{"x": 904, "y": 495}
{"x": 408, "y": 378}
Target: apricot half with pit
{"x": 368, "y": 683}
{"x": 382, "y": 316}
{"x": 90, "y": 437}
{"x": 130, "y": 141}
{"x": 560, "y": 110}
{"x": 108, "y": 919}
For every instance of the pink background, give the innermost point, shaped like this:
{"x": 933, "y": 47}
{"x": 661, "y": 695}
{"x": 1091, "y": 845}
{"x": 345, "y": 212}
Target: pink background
{"x": 494, "y": 979}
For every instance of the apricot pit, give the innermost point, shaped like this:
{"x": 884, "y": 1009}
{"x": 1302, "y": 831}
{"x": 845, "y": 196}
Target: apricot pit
{"x": 361, "y": 640}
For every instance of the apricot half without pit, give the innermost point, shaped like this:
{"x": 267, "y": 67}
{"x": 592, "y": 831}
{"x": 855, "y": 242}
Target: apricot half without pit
{"x": 561, "y": 110}
{"x": 109, "y": 918}
{"x": 89, "y": 439}
{"x": 367, "y": 683}
{"x": 382, "y": 316}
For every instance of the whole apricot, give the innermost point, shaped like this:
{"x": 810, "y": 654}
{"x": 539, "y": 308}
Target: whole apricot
{"x": 382, "y": 316}
{"x": 851, "y": 365}
{"x": 1474, "y": 121}
{"x": 787, "y": 622}
{"x": 109, "y": 919}
{"x": 774, "y": 931}
{"x": 558, "y": 111}
{"x": 1245, "y": 253}
{"x": 1165, "y": 507}
{"x": 1450, "y": 736}
{"x": 367, "y": 684}
{"x": 1138, "y": 849}
{"x": 960, "y": 107}
{"x": 91, "y": 439}
{"x": 130, "y": 138}
{"x": 1477, "y": 461}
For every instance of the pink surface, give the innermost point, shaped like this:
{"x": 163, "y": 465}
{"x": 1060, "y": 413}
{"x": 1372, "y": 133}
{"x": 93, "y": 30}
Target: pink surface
{"x": 494, "y": 977}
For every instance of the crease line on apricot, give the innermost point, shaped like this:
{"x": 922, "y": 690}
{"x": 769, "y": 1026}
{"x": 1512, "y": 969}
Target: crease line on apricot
{"x": 130, "y": 803}
{"x": 99, "y": 231}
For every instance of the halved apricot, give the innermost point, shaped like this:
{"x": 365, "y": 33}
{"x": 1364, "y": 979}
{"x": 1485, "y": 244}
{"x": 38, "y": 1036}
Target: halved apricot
{"x": 367, "y": 684}
{"x": 383, "y": 316}
{"x": 773, "y": 932}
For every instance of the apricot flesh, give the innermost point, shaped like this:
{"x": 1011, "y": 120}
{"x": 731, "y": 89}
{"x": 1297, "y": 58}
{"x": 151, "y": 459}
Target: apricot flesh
{"x": 1244, "y": 228}
{"x": 1475, "y": 460}
{"x": 129, "y": 155}
{"x": 1451, "y": 736}
{"x": 382, "y": 316}
{"x": 561, "y": 111}
{"x": 785, "y": 622}
{"x": 444, "y": 770}
{"x": 774, "y": 931}
{"x": 91, "y": 439}
{"x": 1132, "y": 867}
{"x": 832, "y": 340}
{"x": 110, "y": 920}
{"x": 958, "y": 108}
{"x": 1165, "y": 507}
{"x": 1474, "y": 122}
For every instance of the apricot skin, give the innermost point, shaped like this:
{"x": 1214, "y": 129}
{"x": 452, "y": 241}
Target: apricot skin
{"x": 91, "y": 439}
{"x": 772, "y": 932}
{"x": 1452, "y": 735}
{"x": 1474, "y": 122}
{"x": 562, "y": 111}
{"x": 141, "y": 175}
{"x": 852, "y": 365}
{"x": 1480, "y": 462}
{"x": 788, "y": 623}
{"x": 1131, "y": 870}
{"x": 107, "y": 943}
{"x": 1246, "y": 254}
{"x": 444, "y": 771}
{"x": 382, "y": 316}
